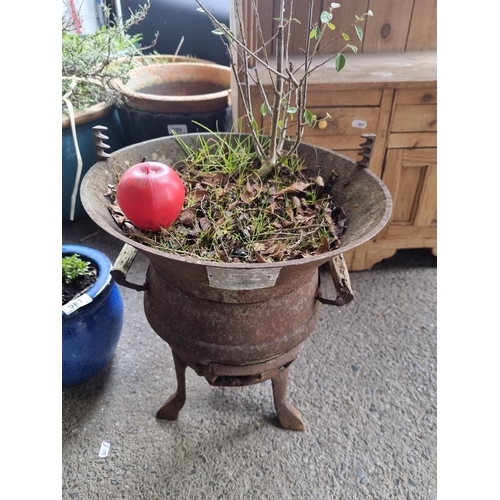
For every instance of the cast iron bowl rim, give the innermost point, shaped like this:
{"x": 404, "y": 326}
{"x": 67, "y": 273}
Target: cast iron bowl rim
{"x": 110, "y": 226}
{"x": 132, "y": 94}
{"x": 100, "y": 260}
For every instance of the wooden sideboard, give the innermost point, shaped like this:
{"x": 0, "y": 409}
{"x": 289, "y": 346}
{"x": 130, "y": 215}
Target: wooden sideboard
{"x": 393, "y": 95}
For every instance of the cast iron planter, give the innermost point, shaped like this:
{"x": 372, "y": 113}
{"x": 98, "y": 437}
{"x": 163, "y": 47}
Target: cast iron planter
{"x": 237, "y": 324}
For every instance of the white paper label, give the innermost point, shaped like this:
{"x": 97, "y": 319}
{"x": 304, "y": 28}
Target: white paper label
{"x": 103, "y": 452}
{"x": 242, "y": 279}
{"x": 75, "y": 304}
{"x": 358, "y": 124}
{"x": 177, "y": 129}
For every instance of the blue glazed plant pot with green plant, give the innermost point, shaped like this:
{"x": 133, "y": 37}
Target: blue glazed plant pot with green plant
{"x": 92, "y": 320}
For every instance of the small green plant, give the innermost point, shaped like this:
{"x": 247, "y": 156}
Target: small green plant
{"x": 90, "y": 63}
{"x": 73, "y": 267}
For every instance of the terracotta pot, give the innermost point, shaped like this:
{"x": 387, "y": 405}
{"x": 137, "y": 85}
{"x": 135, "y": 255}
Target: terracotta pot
{"x": 164, "y": 99}
{"x": 183, "y": 87}
{"x": 149, "y": 60}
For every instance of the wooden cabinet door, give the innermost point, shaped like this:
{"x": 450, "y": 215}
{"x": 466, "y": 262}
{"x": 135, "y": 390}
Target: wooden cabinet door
{"x": 411, "y": 177}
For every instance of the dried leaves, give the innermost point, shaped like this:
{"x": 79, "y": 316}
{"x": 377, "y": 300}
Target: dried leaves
{"x": 234, "y": 218}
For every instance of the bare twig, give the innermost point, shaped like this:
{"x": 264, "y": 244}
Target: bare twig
{"x": 285, "y": 82}
{"x": 230, "y": 35}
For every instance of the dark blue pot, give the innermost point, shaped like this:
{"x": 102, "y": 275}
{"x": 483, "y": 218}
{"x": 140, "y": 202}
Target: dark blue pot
{"x": 108, "y": 117}
{"x": 91, "y": 332}
{"x": 178, "y": 19}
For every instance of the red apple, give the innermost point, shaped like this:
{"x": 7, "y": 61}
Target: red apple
{"x": 151, "y": 195}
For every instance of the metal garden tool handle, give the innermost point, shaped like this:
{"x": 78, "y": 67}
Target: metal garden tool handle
{"x": 122, "y": 265}
{"x": 341, "y": 282}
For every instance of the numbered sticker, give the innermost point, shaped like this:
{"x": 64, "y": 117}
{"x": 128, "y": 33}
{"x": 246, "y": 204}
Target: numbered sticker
{"x": 177, "y": 129}
{"x": 359, "y": 124}
{"x": 72, "y": 306}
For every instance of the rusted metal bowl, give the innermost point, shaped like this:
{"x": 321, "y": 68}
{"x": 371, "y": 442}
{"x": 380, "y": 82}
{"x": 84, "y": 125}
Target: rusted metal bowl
{"x": 365, "y": 200}
{"x": 363, "y": 196}
{"x": 238, "y": 324}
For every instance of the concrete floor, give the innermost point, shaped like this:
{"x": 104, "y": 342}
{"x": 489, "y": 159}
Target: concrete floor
{"x": 364, "y": 383}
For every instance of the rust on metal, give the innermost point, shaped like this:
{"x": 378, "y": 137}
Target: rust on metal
{"x": 202, "y": 331}
{"x": 240, "y": 324}
{"x": 218, "y": 374}
{"x": 288, "y": 415}
{"x": 171, "y": 408}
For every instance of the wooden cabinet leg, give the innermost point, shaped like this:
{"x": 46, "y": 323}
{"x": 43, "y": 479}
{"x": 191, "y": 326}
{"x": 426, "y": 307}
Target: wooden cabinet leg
{"x": 170, "y": 410}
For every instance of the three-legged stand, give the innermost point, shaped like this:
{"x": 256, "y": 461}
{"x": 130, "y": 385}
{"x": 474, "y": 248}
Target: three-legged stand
{"x": 288, "y": 415}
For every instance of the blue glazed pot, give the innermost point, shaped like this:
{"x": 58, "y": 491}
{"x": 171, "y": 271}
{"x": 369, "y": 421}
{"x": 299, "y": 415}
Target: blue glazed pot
{"x": 90, "y": 333}
{"x": 99, "y": 114}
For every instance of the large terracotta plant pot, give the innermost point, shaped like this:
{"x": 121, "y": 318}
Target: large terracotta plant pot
{"x": 92, "y": 323}
{"x": 164, "y": 99}
{"x": 238, "y": 324}
{"x": 151, "y": 59}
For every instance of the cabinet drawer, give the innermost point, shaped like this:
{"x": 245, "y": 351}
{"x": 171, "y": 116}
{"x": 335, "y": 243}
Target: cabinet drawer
{"x": 322, "y": 99}
{"x": 415, "y": 111}
{"x": 418, "y": 96}
{"x": 408, "y": 118}
{"x": 352, "y": 121}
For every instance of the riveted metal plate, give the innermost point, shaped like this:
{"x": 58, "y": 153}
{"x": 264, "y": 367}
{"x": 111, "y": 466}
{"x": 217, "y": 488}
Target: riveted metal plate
{"x": 242, "y": 279}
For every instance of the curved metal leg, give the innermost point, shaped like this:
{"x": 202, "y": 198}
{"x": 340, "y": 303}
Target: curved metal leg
{"x": 170, "y": 410}
{"x": 288, "y": 415}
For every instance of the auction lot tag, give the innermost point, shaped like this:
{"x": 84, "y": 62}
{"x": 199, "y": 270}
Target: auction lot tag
{"x": 75, "y": 304}
{"x": 358, "y": 124}
{"x": 177, "y": 129}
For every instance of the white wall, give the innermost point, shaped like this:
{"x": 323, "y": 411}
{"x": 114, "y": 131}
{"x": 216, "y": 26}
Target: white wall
{"x": 88, "y": 13}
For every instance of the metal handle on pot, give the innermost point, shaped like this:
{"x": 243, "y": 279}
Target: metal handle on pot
{"x": 341, "y": 281}
{"x": 122, "y": 265}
